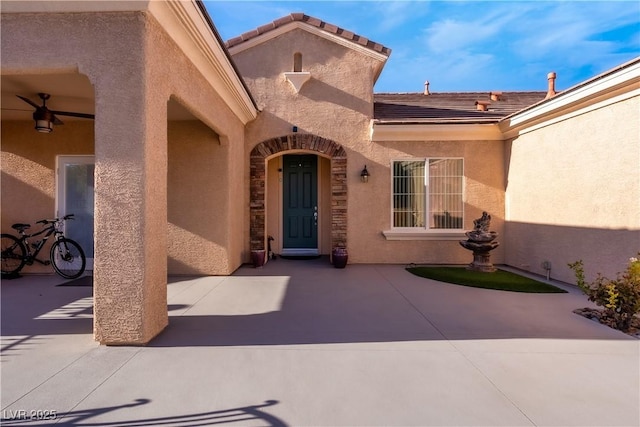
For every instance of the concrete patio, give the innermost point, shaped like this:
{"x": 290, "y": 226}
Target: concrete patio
{"x": 299, "y": 343}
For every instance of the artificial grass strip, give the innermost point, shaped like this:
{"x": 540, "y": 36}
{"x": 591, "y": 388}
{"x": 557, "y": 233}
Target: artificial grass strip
{"x": 499, "y": 280}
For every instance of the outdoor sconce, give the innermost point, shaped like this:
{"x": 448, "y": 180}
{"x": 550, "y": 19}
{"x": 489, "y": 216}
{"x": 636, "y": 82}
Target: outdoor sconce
{"x": 364, "y": 175}
{"x": 44, "y": 121}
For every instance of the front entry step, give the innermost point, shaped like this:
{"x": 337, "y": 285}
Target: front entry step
{"x": 299, "y": 252}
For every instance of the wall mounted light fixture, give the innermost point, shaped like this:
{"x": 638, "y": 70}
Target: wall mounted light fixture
{"x": 364, "y": 175}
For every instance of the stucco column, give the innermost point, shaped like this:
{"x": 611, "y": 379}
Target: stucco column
{"x": 130, "y": 270}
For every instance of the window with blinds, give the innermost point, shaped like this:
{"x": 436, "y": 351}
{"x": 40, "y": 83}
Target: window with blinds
{"x": 428, "y": 193}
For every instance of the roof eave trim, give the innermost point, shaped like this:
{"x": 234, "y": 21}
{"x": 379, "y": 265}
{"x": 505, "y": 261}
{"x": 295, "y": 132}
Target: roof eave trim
{"x": 620, "y": 83}
{"x": 190, "y": 26}
{"x": 408, "y": 121}
{"x": 387, "y": 132}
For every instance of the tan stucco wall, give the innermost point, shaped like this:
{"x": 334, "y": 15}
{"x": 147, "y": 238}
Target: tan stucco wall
{"x": 484, "y": 191}
{"x": 198, "y": 238}
{"x": 219, "y": 154}
{"x": 133, "y": 80}
{"x": 209, "y": 161}
{"x": 574, "y": 193}
{"x": 337, "y": 104}
{"x": 198, "y": 202}
{"x": 28, "y": 183}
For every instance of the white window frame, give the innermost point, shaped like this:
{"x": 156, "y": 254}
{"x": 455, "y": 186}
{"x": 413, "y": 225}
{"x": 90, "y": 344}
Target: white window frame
{"x": 424, "y": 233}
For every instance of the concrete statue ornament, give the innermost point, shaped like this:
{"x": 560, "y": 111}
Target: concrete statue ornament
{"x": 481, "y": 241}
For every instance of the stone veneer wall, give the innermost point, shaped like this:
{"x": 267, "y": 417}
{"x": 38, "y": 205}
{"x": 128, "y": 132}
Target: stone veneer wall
{"x": 298, "y": 142}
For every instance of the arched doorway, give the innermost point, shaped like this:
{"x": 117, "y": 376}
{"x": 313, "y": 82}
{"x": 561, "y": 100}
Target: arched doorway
{"x": 298, "y": 144}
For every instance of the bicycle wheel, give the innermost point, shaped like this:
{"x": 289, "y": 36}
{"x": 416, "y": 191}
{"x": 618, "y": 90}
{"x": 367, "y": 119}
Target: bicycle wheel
{"x": 67, "y": 258}
{"x": 13, "y": 254}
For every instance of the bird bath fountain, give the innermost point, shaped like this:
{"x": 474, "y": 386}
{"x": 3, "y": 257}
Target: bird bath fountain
{"x": 481, "y": 241}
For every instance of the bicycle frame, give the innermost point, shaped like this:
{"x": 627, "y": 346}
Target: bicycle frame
{"x": 66, "y": 255}
{"x": 31, "y": 256}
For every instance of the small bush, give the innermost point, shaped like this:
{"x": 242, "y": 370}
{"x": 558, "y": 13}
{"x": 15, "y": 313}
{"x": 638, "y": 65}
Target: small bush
{"x": 619, "y": 297}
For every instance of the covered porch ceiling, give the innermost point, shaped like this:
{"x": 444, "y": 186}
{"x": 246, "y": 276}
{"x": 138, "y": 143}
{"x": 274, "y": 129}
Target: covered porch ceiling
{"x": 69, "y": 92}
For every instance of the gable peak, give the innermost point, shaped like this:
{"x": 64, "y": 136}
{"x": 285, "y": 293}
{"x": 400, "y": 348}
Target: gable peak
{"x": 314, "y": 22}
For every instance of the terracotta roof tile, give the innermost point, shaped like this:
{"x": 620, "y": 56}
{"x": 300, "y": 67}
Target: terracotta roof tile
{"x": 264, "y": 28}
{"x": 314, "y": 21}
{"x": 234, "y": 41}
{"x": 347, "y": 34}
{"x": 363, "y": 41}
{"x": 331, "y": 28}
{"x": 301, "y": 17}
{"x": 449, "y": 107}
{"x": 249, "y": 34}
{"x": 284, "y": 20}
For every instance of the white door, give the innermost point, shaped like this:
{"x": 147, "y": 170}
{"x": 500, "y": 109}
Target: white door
{"x": 75, "y": 196}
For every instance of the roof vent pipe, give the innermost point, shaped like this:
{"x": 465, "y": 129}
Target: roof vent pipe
{"x": 426, "y": 88}
{"x": 551, "y": 91}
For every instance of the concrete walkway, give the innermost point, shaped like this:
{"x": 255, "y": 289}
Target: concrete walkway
{"x": 299, "y": 343}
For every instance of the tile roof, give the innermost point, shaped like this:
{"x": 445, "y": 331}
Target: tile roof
{"x": 452, "y": 107}
{"x": 301, "y": 17}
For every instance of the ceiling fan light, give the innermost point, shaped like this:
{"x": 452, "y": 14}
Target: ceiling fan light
{"x": 44, "y": 121}
{"x": 44, "y": 126}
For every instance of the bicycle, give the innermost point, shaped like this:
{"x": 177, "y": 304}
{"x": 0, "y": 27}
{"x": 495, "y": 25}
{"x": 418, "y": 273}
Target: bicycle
{"x": 66, "y": 256}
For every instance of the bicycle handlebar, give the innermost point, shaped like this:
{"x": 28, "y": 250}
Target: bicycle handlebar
{"x": 51, "y": 221}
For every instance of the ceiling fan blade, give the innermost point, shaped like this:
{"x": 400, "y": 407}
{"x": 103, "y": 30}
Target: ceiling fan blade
{"x": 57, "y": 121}
{"x": 15, "y": 109}
{"x": 28, "y": 101}
{"x": 71, "y": 114}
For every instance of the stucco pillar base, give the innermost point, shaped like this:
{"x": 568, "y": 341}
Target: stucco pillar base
{"x": 128, "y": 314}
{"x": 141, "y": 342}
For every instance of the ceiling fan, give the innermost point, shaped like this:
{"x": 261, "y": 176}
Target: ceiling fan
{"x": 45, "y": 118}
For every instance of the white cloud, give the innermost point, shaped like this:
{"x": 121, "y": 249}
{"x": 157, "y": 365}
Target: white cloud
{"x": 490, "y": 45}
{"x": 392, "y": 15}
{"x": 472, "y": 26}
{"x": 449, "y": 35}
{"x": 575, "y": 39}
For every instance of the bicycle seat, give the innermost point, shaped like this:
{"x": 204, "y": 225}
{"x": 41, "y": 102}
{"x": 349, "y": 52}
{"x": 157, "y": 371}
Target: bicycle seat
{"x": 20, "y": 227}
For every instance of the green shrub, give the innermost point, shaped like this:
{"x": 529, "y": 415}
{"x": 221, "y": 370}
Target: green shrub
{"x": 620, "y": 297}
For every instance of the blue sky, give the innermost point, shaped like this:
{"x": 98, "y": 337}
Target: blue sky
{"x": 468, "y": 45}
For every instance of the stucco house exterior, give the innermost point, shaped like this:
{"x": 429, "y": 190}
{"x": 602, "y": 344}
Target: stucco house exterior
{"x": 203, "y": 151}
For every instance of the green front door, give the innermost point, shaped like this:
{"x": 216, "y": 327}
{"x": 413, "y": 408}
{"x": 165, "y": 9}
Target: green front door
{"x": 300, "y": 204}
